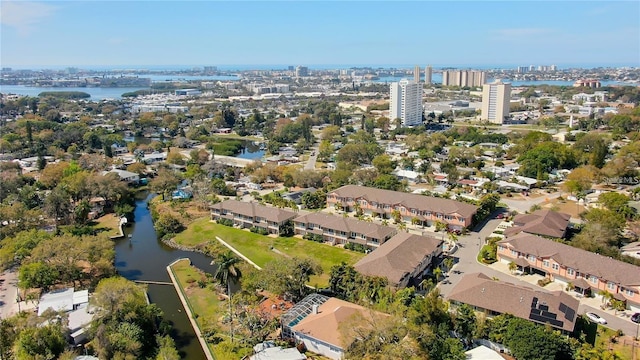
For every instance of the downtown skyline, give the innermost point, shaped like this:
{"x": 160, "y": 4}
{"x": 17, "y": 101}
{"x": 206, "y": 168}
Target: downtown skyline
{"x": 318, "y": 34}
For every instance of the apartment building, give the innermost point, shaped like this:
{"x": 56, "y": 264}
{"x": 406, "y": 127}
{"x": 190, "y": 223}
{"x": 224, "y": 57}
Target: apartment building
{"x": 558, "y": 309}
{"x": 341, "y": 230}
{"x": 404, "y": 260}
{"x": 406, "y": 102}
{"x": 496, "y": 101}
{"x": 463, "y": 78}
{"x": 428, "y": 75}
{"x": 425, "y": 210}
{"x": 562, "y": 263}
{"x": 247, "y": 215}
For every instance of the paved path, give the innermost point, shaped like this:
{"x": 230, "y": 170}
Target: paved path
{"x": 311, "y": 162}
{"x": 238, "y": 253}
{"x": 8, "y": 294}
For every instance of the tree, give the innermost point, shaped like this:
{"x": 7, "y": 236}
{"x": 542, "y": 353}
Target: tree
{"x": 165, "y": 181}
{"x": 512, "y": 267}
{"x": 42, "y": 342}
{"x": 227, "y": 272}
{"x": 437, "y": 272}
{"x": 167, "y": 224}
{"x": 37, "y": 275}
{"x": 448, "y": 263}
{"x": 175, "y": 157}
{"x": 465, "y": 322}
{"x": 384, "y": 164}
{"x": 580, "y": 179}
{"x": 287, "y": 277}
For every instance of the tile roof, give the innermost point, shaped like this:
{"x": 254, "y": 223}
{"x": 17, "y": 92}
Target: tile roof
{"x": 540, "y": 222}
{"x": 398, "y": 257}
{"x": 580, "y": 260}
{"x": 411, "y": 201}
{"x": 325, "y": 325}
{"x": 253, "y": 209}
{"x": 557, "y": 308}
{"x": 348, "y": 225}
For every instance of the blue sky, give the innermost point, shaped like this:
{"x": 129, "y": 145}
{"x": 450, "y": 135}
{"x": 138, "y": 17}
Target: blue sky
{"x": 453, "y": 33}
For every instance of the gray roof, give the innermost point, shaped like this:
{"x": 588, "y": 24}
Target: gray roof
{"x": 540, "y": 222}
{"x": 556, "y": 308}
{"x": 255, "y": 210}
{"x": 348, "y": 225}
{"x": 580, "y": 260}
{"x": 411, "y": 201}
{"x": 398, "y": 257}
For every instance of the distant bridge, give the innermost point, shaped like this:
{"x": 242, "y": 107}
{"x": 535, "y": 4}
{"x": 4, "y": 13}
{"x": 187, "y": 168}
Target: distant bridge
{"x": 152, "y": 282}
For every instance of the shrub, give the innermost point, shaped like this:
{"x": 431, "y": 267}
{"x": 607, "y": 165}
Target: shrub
{"x": 225, "y": 222}
{"x": 544, "y": 282}
{"x": 356, "y": 247}
{"x": 259, "y": 230}
{"x": 313, "y": 237}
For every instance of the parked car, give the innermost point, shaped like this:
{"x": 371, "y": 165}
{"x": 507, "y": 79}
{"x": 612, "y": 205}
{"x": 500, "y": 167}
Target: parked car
{"x": 635, "y": 318}
{"x": 595, "y": 318}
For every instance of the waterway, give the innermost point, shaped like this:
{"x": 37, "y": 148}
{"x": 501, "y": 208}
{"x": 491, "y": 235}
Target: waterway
{"x": 143, "y": 257}
{"x": 251, "y": 150}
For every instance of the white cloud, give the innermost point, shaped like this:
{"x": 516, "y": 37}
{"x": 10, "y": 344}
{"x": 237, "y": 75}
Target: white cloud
{"x": 24, "y": 16}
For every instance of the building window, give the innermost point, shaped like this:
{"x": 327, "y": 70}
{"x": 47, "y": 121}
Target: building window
{"x": 628, "y": 292}
{"x": 555, "y": 267}
{"x": 545, "y": 263}
{"x": 593, "y": 279}
{"x": 532, "y": 258}
{"x": 611, "y": 285}
{"x": 570, "y": 271}
{"x": 514, "y": 253}
{"x": 500, "y": 247}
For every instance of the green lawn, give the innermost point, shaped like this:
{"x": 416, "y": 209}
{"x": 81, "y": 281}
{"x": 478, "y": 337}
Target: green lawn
{"x": 206, "y": 307}
{"x": 108, "y": 224}
{"x": 258, "y": 247}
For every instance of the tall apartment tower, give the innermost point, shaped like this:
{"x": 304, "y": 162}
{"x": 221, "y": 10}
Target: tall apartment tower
{"x": 406, "y": 102}
{"x": 416, "y": 74}
{"x": 463, "y": 78}
{"x": 495, "y": 101}
{"x": 428, "y": 74}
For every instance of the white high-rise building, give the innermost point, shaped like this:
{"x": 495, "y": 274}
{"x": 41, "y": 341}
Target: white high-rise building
{"x": 406, "y": 102}
{"x": 416, "y": 74}
{"x": 428, "y": 74}
{"x": 495, "y": 101}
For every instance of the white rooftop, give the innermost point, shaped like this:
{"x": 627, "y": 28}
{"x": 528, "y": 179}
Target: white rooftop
{"x": 483, "y": 353}
{"x": 62, "y": 300}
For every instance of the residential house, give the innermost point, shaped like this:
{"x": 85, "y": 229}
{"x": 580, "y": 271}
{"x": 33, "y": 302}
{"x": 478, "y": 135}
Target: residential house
{"x": 116, "y": 149}
{"x": 154, "y": 158}
{"x": 557, "y": 308}
{"x": 75, "y": 304}
{"x": 249, "y": 214}
{"x": 341, "y": 230}
{"x": 540, "y": 222}
{"x": 126, "y": 176}
{"x": 427, "y": 210}
{"x": 296, "y": 196}
{"x": 269, "y": 351}
{"x": 97, "y": 205}
{"x": 403, "y": 260}
{"x": 565, "y": 264}
{"x": 326, "y": 325}
{"x": 631, "y": 249}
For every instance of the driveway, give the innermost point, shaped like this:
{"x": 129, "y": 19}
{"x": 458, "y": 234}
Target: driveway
{"x": 524, "y": 205}
{"x": 311, "y": 162}
{"x": 8, "y": 294}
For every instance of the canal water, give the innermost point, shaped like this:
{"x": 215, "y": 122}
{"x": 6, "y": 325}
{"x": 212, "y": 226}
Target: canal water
{"x": 143, "y": 257}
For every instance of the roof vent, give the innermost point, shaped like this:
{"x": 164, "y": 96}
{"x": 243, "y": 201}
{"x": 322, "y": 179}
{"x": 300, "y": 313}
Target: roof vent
{"x": 482, "y": 289}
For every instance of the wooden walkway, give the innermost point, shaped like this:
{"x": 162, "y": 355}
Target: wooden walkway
{"x": 152, "y": 282}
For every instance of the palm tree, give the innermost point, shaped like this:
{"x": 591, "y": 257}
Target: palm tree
{"x": 437, "y": 272}
{"x": 402, "y": 226}
{"x": 512, "y": 267}
{"x": 227, "y": 272}
{"x": 448, "y": 262}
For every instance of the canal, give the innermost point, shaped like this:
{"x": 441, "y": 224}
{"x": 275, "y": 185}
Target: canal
{"x": 143, "y": 257}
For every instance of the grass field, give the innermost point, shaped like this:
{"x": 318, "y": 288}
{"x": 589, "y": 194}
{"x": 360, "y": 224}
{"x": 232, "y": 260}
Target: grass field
{"x": 108, "y": 224}
{"x": 258, "y": 248}
{"x": 623, "y": 346}
{"x": 206, "y": 307}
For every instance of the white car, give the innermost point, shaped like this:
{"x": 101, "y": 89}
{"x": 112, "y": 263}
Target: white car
{"x": 595, "y": 318}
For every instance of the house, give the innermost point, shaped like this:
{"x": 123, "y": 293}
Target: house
{"x": 631, "y": 249}
{"x": 483, "y": 353}
{"x": 557, "y": 308}
{"x": 403, "y": 260}
{"x": 319, "y": 322}
{"x": 154, "y": 158}
{"x": 126, "y": 176}
{"x": 296, "y": 196}
{"x": 540, "y": 222}
{"x": 341, "y": 230}
{"x": 427, "y": 210}
{"x": 565, "y": 264}
{"x": 97, "y": 205}
{"x": 408, "y": 175}
{"x": 247, "y": 215}
{"x": 75, "y": 304}
{"x": 116, "y": 149}
{"x": 269, "y": 351}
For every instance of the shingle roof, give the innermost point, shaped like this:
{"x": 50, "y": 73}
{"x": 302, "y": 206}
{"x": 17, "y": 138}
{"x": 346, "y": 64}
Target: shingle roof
{"x": 540, "y": 222}
{"x": 325, "y": 325}
{"x": 582, "y": 261}
{"x": 253, "y": 209}
{"x": 340, "y": 223}
{"x": 411, "y": 201}
{"x": 398, "y": 257}
{"x": 557, "y": 308}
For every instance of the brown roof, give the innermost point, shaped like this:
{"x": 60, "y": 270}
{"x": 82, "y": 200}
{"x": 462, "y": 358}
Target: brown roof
{"x": 325, "y": 325}
{"x": 348, "y": 225}
{"x": 398, "y": 257}
{"x": 556, "y": 308}
{"x": 580, "y": 260}
{"x": 540, "y": 222}
{"x": 253, "y": 210}
{"x": 411, "y": 201}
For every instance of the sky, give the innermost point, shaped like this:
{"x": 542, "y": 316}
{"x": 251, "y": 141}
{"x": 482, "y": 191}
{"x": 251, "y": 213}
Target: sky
{"x": 384, "y": 33}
